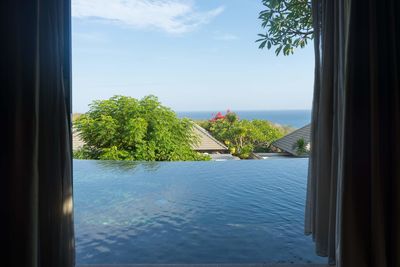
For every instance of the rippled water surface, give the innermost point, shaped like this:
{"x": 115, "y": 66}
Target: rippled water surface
{"x": 191, "y": 212}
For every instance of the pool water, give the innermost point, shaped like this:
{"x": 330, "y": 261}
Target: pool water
{"x": 191, "y": 212}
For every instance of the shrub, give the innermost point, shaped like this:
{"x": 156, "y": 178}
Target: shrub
{"x": 243, "y": 136}
{"x": 302, "y": 147}
{"x": 124, "y": 128}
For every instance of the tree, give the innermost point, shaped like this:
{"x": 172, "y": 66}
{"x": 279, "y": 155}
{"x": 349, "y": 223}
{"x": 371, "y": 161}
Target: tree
{"x": 124, "y": 128}
{"x": 288, "y": 25}
{"x": 265, "y": 134}
{"x": 243, "y": 136}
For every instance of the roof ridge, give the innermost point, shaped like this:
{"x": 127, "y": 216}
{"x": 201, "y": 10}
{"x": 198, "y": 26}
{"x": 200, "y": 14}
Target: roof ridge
{"x": 287, "y": 142}
{"x": 293, "y": 133}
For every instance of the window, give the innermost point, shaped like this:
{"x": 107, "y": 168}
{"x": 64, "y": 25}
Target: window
{"x": 202, "y": 63}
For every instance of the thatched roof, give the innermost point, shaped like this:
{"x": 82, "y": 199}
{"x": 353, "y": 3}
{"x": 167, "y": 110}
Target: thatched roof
{"x": 288, "y": 142}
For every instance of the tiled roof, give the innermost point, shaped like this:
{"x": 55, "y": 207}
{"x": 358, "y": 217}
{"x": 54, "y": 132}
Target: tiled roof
{"x": 207, "y": 141}
{"x": 288, "y": 142}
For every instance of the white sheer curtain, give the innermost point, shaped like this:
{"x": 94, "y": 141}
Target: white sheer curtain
{"x": 353, "y": 195}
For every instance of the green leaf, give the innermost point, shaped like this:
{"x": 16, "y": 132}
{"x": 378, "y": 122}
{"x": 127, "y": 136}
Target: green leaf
{"x": 286, "y": 22}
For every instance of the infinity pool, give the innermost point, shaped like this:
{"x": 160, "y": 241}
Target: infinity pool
{"x": 191, "y": 212}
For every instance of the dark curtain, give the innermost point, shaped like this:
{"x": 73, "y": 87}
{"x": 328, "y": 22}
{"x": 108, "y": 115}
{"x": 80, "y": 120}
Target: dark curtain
{"x": 36, "y": 162}
{"x": 353, "y": 196}
{"x": 327, "y": 118}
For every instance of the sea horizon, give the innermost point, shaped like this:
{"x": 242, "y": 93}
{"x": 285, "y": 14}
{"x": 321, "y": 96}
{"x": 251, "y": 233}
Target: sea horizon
{"x": 296, "y": 118}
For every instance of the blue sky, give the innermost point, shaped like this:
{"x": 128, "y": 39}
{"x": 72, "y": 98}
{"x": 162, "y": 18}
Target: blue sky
{"x": 192, "y": 54}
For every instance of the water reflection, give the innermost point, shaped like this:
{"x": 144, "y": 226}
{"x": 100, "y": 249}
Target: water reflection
{"x": 191, "y": 212}
{"x": 131, "y": 166}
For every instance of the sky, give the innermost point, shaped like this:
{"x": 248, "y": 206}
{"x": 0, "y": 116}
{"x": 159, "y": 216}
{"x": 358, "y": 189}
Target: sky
{"x": 194, "y": 55}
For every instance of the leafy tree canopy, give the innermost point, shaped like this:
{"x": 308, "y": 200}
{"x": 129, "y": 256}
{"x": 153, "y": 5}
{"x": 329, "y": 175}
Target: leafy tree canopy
{"x": 243, "y": 136}
{"x": 288, "y": 25}
{"x": 124, "y": 128}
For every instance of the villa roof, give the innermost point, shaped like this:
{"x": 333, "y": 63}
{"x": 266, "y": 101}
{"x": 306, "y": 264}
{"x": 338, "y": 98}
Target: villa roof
{"x": 288, "y": 142}
{"x": 207, "y": 142}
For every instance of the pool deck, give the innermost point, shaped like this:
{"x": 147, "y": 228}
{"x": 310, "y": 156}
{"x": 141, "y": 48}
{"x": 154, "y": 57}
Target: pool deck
{"x": 205, "y": 265}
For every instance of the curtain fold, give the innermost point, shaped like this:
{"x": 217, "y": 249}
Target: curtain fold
{"x": 320, "y": 219}
{"x": 36, "y": 160}
{"x": 353, "y": 195}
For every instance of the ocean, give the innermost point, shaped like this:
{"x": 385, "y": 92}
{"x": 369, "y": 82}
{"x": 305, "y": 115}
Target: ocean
{"x": 293, "y": 118}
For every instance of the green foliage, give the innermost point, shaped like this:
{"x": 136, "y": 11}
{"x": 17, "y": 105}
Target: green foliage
{"x": 288, "y": 24}
{"x": 243, "y": 136}
{"x": 301, "y": 147}
{"x": 124, "y": 128}
{"x": 265, "y": 134}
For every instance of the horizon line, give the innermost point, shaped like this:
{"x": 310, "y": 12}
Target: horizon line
{"x": 239, "y": 110}
{"x": 224, "y": 110}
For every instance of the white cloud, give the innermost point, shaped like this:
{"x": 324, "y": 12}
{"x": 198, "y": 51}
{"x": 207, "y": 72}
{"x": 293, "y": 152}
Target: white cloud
{"x": 172, "y": 16}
